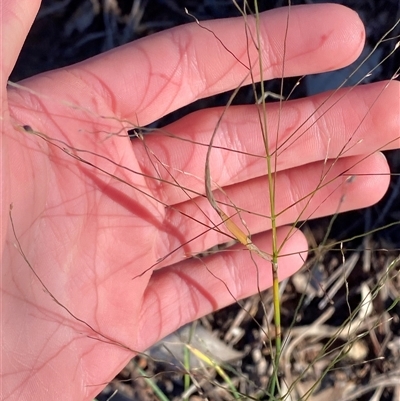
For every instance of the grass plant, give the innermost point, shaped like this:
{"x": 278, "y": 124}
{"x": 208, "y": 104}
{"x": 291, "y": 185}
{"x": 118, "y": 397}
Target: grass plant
{"x": 329, "y": 335}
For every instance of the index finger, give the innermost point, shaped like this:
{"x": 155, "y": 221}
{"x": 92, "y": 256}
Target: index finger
{"x": 154, "y": 76}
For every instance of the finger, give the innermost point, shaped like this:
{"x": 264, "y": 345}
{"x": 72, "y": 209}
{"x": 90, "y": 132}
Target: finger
{"x": 310, "y": 191}
{"x": 151, "y": 77}
{"x": 16, "y": 20}
{"x": 184, "y": 292}
{"x": 359, "y": 121}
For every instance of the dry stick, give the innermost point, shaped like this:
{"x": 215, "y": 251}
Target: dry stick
{"x": 356, "y": 323}
{"x": 388, "y": 379}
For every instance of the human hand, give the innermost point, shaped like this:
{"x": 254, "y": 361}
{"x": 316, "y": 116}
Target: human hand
{"x": 99, "y": 244}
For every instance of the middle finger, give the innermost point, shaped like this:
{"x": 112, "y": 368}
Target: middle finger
{"x": 349, "y": 122}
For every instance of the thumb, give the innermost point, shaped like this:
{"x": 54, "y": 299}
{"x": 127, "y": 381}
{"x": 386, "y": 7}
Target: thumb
{"x": 16, "y": 18}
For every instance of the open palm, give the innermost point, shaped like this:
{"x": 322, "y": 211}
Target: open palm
{"x": 110, "y": 242}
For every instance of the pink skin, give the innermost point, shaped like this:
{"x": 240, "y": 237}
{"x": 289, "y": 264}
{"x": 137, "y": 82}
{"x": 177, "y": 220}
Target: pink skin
{"x": 87, "y": 236}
